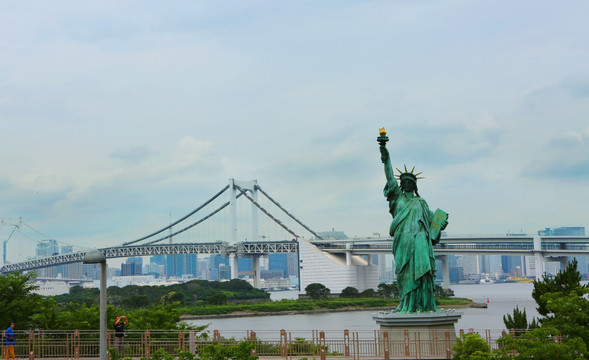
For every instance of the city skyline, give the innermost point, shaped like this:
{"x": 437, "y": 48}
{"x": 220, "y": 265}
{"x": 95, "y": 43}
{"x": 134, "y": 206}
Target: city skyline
{"x": 117, "y": 116}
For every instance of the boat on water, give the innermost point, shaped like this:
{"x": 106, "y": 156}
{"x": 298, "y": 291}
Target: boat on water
{"x": 519, "y": 280}
{"x": 486, "y": 281}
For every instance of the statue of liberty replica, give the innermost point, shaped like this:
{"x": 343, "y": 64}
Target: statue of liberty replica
{"x": 415, "y": 230}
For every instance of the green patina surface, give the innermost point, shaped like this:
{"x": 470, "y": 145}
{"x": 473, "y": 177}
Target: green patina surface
{"x": 416, "y": 229}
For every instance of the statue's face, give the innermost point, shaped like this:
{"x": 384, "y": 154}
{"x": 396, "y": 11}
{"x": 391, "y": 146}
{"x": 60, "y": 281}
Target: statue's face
{"x": 407, "y": 185}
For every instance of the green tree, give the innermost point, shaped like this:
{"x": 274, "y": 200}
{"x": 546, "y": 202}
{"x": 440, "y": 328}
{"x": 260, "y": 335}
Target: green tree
{"x": 217, "y": 299}
{"x": 542, "y": 343}
{"x": 136, "y": 301}
{"x": 563, "y": 303}
{"x": 440, "y": 292}
{"x": 217, "y": 351}
{"x": 471, "y": 347}
{"x": 368, "y": 293}
{"x": 565, "y": 281}
{"x": 519, "y": 320}
{"x": 569, "y": 313}
{"x": 18, "y": 302}
{"x": 317, "y": 291}
{"x": 349, "y": 292}
{"x": 388, "y": 291}
{"x": 156, "y": 317}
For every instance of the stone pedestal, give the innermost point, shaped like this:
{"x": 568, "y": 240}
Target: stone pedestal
{"x": 417, "y": 334}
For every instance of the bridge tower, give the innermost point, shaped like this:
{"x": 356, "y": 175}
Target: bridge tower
{"x": 252, "y": 187}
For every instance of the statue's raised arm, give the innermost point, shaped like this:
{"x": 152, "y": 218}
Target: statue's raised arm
{"x": 384, "y": 155}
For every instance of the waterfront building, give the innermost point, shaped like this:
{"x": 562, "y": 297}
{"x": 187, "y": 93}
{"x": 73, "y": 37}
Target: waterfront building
{"x": 344, "y": 270}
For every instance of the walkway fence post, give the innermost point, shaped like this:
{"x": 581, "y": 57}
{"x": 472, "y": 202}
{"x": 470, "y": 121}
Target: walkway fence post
{"x": 418, "y": 344}
{"x": 181, "y": 340}
{"x": 322, "y": 344}
{"x": 347, "y": 342}
{"x": 145, "y": 340}
{"x": 406, "y": 340}
{"x": 31, "y": 346}
{"x": 386, "y": 345}
{"x": 448, "y": 346}
{"x": 192, "y": 341}
{"x": 283, "y": 343}
{"x": 76, "y": 343}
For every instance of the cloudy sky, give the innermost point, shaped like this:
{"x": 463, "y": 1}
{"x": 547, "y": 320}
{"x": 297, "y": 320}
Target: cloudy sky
{"x": 115, "y": 115}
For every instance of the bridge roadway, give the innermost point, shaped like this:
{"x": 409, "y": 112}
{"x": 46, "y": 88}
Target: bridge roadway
{"x": 556, "y": 247}
{"x": 548, "y": 246}
{"x": 240, "y": 250}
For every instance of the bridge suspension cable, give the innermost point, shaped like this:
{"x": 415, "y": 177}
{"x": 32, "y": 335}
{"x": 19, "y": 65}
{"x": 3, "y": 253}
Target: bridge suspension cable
{"x": 242, "y": 192}
{"x": 191, "y": 225}
{"x": 180, "y": 220}
{"x": 285, "y": 211}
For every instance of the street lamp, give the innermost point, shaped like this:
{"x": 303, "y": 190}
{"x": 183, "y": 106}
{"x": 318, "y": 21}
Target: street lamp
{"x": 97, "y": 257}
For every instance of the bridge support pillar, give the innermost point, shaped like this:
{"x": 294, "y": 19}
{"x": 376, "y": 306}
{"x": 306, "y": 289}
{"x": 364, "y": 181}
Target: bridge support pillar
{"x": 348, "y": 254}
{"x": 257, "y": 271}
{"x": 445, "y": 271}
{"x": 538, "y": 257}
{"x": 233, "y": 265}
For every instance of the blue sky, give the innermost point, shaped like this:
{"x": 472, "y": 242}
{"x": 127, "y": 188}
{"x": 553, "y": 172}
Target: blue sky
{"x": 115, "y": 114}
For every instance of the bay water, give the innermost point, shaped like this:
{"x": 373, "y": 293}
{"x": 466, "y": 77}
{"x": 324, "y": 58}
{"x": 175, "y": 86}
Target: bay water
{"x": 501, "y": 299}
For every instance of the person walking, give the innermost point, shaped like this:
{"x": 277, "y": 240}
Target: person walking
{"x": 120, "y": 331}
{"x": 10, "y": 341}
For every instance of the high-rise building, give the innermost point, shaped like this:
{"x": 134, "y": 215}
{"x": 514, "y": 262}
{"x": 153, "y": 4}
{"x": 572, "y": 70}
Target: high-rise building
{"x": 563, "y": 231}
{"x": 174, "y": 265}
{"x": 224, "y": 272}
{"x": 91, "y": 271}
{"x": 158, "y": 259}
{"x": 510, "y": 262}
{"x": 245, "y": 264}
{"x": 278, "y": 262}
{"x": 132, "y": 267}
{"x": 470, "y": 264}
{"x": 71, "y": 271}
{"x": 47, "y": 248}
{"x": 214, "y": 262}
{"x": 190, "y": 268}
{"x": 292, "y": 264}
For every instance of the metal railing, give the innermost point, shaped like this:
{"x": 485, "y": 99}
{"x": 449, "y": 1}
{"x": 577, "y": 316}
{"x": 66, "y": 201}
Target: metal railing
{"x": 342, "y": 344}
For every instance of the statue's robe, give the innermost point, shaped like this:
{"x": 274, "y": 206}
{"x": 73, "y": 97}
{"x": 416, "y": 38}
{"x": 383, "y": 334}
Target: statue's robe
{"x": 415, "y": 263}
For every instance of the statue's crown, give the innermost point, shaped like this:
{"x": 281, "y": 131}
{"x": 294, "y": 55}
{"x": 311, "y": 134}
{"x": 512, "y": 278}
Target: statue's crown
{"x": 408, "y": 174}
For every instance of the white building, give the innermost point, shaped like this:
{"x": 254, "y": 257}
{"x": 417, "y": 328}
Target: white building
{"x": 335, "y": 271}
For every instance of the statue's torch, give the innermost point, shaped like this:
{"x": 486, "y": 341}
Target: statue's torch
{"x": 382, "y": 138}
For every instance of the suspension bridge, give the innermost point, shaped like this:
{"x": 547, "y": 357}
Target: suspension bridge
{"x": 348, "y": 262}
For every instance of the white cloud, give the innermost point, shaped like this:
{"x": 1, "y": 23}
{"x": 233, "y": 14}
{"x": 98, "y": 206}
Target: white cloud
{"x": 114, "y": 115}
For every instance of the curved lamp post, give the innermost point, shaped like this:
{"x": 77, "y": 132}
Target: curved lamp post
{"x": 97, "y": 257}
